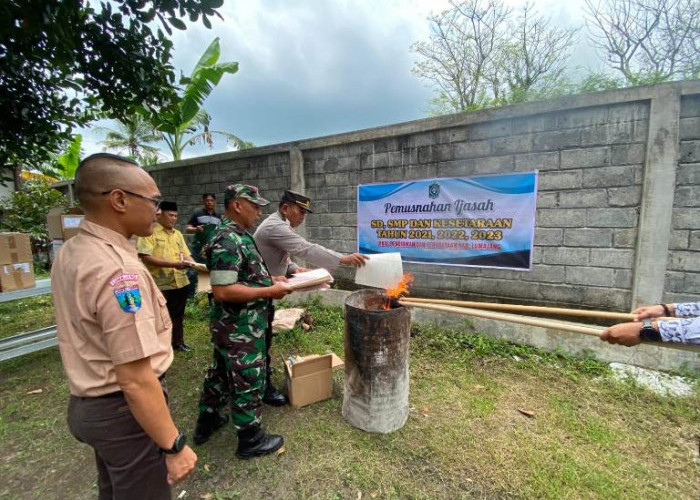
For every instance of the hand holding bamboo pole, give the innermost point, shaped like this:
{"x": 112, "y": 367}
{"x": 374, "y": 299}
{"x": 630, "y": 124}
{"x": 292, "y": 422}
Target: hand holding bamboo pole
{"x": 543, "y": 323}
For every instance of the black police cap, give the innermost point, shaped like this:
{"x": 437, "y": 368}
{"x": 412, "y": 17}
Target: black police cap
{"x": 298, "y": 198}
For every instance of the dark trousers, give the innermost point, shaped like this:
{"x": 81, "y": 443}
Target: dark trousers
{"x": 194, "y": 279}
{"x": 192, "y": 274}
{"x": 129, "y": 464}
{"x": 176, "y": 300}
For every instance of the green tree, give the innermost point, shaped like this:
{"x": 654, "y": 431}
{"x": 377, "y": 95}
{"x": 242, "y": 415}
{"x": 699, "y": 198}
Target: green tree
{"x": 25, "y": 211}
{"x": 647, "y": 41}
{"x": 478, "y": 54}
{"x": 70, "y": 159}
{"x": 133, "y": 137}
{"x": 58, "y": 166}
{"x": 533, "y": 58}
{"x": 62, "y": 61}
{"x": 184, "y": 122}
{"x": 63, "y": 165}
{"x": 595, "y": 82}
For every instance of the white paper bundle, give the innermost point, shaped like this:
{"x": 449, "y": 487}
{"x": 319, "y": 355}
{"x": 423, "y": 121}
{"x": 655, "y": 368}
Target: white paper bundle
{"x": 382, "y": 270}
{"x": 309, "y": 278}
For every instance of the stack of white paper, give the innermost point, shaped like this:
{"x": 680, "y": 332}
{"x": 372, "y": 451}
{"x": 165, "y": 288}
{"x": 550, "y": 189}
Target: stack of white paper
{"x": 382, "y": 270}
{"x": 309, "y": 278}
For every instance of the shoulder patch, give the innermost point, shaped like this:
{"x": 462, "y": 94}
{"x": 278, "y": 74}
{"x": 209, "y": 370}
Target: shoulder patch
{"x": 127, "y": 292}
{"x": 123, "y": 277}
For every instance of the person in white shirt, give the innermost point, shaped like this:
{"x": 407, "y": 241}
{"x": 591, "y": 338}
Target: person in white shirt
{"x": 660, "y": 323}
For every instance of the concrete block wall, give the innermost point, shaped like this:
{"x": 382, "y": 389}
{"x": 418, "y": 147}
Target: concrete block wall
{"x": 683, "y": 265}
{"x": 590, "y": 162}
{"x": 595, "y": 160}
{"x": 189, "y": 179}
{"x": 589, "y": 190}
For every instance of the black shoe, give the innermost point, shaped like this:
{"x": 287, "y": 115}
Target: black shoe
{"x": 254, "y": 442}
{"x": 181, "y": 348}
{"x": 273, "y": 397}
{"x": 207, "y": 424}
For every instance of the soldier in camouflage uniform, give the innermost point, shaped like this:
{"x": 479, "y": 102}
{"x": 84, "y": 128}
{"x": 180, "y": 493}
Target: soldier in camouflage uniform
{"x": 243, "y": 292}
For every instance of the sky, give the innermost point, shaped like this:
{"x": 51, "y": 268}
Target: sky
{"x": 310, "y": 68}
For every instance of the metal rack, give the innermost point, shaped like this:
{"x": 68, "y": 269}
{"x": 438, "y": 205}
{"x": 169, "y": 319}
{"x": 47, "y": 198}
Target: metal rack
{"x": 27, "y": 342}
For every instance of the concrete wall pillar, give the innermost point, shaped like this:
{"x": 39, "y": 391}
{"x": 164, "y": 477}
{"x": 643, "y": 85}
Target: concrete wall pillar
{"x": 298, "y": 184}
{"x": 656, "y": 212}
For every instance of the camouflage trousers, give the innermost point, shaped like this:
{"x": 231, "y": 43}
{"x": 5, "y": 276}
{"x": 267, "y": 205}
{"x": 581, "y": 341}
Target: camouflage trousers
{"x": 237, "y": 374}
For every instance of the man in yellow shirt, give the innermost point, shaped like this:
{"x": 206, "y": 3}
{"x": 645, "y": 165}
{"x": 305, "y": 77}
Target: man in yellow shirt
{"x": 166, "y": 255}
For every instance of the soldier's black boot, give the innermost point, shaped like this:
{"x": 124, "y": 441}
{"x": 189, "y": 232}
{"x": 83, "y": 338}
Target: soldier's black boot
{"x": 272, "y": 396}
{"x": 255, "y": 442}
{"x": 207, "y": 424}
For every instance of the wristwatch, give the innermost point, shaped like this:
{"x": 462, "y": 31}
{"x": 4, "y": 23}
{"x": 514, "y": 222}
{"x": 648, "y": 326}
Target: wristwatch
{"x": 648, "y": 332}
{"x": 178, "y": 445}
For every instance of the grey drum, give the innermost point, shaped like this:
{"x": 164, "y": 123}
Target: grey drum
{"x": 376, "y": 363}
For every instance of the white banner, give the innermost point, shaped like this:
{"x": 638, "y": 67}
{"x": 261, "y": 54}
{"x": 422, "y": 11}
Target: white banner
{"x": 486, "y": 221}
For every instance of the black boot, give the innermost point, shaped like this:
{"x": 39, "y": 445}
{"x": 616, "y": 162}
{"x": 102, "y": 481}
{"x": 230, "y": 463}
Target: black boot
{"x": 272, "y": 396}
{"x": 207, "y": 424}
{"x": 255, "y": 442}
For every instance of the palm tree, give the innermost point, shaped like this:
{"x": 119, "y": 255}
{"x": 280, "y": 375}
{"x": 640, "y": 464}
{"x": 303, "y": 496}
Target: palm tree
{"x": 185, "y": 122}
{"x": 132, "y": 137}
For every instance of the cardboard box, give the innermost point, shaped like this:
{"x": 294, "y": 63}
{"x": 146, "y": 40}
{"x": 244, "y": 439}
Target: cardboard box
{"x": 53, "y": 223}
{"x": 16, "y": 276}
{"x": 55, "y": 247}
{"x": 310, "y": 380}
{"x": 69, "y": 225}
{"x": 56, "y": 224}
{"x": 15, "y": 248}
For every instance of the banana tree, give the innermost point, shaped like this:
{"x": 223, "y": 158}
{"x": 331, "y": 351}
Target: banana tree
{"x": 70, "y": 159}
{"x": 62, "y": 165}
{"x": 185, "y": 122}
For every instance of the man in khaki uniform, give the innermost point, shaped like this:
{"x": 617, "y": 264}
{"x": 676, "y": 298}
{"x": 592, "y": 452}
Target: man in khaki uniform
{"x": 165, "y": 254}
{"x": 114, "y": 336}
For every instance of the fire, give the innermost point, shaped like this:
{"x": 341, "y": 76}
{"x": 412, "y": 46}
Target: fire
{"x": 399, "y": 290}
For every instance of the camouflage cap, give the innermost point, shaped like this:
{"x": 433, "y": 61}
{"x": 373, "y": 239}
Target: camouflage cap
{"x": 250, "y": 193}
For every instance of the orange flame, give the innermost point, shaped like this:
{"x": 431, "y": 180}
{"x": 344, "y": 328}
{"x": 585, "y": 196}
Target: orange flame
{"x": 399, "y": 290}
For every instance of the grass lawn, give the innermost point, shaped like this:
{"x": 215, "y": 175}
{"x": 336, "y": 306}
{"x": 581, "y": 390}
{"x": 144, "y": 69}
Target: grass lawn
{"x": 590, "y": 437}
{"x": 25, "y": 315}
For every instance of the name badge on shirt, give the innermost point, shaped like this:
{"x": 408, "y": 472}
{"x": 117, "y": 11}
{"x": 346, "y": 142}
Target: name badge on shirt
{"x": 127, "y": 292}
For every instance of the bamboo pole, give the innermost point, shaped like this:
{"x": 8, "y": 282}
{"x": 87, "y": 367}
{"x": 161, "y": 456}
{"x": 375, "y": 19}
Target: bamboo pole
{"x": 543, "y": 323}
{"x": 527, "y": 309}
